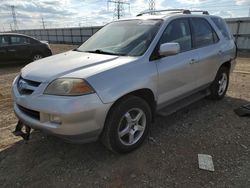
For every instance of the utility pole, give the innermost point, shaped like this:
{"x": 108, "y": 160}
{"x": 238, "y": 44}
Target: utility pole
{"x": 119, "y": 7}
{"x": 249, "y": 13}
{"x": 151, "y": 4}
{"x": 43, "y": 23}
{"x": 13, "y": 11}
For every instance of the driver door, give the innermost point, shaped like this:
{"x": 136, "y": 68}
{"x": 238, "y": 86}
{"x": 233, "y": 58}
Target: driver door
{"x": 177, "y": 75}
{"x": 4, "y": 42}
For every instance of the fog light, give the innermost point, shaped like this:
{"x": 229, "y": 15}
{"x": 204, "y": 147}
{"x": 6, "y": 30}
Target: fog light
{"x": 55, "y": 119}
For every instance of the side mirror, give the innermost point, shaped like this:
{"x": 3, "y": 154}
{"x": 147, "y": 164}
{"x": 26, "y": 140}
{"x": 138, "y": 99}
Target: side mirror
{"x": 168, "y": 49}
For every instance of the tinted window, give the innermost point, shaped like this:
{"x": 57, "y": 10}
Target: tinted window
{"x": 178, "y": 31}
{"x": 19, "y": 40}
{"x": 4, "y": 41}
{"x": 222, "y": 27}
{"x": 203, "y": 33}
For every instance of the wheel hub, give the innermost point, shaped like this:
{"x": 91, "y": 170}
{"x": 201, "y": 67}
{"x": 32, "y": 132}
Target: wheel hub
{"x": 132, "y": 126}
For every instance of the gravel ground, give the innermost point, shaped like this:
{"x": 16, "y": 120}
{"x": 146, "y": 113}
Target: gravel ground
{"x": 167, "y": 159}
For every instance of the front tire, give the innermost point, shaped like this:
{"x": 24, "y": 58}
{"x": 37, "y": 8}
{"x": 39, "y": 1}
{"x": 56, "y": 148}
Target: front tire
{"x": 127, "y": 125}
{"x": 219, "y": 86}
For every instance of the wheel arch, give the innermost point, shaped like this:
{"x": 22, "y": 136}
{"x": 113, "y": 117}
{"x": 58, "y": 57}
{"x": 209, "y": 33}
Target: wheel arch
{"x": 145, "y": 93}
{"x": 226, "y": 64}
{"x": 108, "y": 129}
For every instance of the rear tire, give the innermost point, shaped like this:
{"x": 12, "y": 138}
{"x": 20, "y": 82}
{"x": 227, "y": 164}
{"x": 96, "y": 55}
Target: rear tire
{"x": 219, "y": 86}
{"x": 127, "y": 125}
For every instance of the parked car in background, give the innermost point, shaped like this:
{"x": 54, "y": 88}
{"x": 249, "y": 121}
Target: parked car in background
{"x": 111, "y": 87}
{"x": 21, "y": 48}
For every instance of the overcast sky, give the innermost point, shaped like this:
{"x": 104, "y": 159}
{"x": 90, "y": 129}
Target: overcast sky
{"x": 66, "y": 13}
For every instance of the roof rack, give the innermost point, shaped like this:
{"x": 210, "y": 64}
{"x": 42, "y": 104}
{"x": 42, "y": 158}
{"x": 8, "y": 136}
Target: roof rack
{"x": 184, "y": 11}
{"x": 203, "y": 11}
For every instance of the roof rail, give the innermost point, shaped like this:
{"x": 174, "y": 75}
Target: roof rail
{"x": 184, "y": 11}
{"x": 203, "y": 11}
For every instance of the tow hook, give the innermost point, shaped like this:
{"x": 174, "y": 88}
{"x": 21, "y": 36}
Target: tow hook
{"x": 18, "y": 131}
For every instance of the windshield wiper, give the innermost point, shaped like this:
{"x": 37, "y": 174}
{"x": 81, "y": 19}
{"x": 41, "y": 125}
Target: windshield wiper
{"x": 99, "y": 51}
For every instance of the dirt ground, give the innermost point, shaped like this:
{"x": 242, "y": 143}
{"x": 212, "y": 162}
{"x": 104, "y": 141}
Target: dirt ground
{"x": 167, "y": 159}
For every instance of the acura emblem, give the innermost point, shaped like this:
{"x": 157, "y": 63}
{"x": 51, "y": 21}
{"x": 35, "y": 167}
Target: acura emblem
{"x": 22, "y": 84}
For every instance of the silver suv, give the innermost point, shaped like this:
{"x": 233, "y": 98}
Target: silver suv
{"x": 111, "y": 87}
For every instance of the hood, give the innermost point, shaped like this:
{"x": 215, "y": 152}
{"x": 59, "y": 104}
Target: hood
{"x": 61, "y": 65}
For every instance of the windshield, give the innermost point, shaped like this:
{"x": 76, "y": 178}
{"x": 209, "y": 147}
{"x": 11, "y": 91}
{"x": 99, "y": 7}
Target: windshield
{"x": 128, "y": 38}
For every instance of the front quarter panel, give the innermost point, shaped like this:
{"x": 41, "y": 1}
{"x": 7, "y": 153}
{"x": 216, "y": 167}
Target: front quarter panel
{"x": 114, "y": 83}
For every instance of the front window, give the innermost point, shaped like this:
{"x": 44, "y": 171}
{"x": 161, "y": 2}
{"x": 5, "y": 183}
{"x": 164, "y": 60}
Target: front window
{"x": 128, "y": 38}
{"x": 4, "y": 41}
{"x": 178, "y": 31}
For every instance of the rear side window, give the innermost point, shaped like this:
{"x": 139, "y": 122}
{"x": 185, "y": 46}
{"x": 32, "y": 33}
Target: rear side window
{"x": 203, "y": 33}
{"x": 4, "y": 41}
{"x": 222, "y": 27}
{"x": 19, "y": 40}
{"x": 178, "y": 31}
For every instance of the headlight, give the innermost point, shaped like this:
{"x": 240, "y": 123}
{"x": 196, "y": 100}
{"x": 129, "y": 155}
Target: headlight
{"x": 68, "y": 87}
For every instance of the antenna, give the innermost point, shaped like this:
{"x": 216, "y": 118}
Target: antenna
{"x": 151, "y": 4}
{"x": 13, "y": 11}
{"x": 119, "y": 7}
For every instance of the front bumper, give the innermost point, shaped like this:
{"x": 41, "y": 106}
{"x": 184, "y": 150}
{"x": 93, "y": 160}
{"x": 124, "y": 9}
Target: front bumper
{"x": 81, "y": 118}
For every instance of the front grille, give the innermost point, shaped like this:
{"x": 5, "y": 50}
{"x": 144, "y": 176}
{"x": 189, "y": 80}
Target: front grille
{"x": 25, "y": 91}
{"x": 31, "y": 113}
{"x": 26, "y": 87}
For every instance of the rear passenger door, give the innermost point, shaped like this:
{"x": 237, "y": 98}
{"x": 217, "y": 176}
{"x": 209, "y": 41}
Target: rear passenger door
{"x": 19, "y": 48}
{"x": 206, "y": 44}
{"x": 177, "y": 75}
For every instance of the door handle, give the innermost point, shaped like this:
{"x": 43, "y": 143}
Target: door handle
{"x": 220, "y": 52}
{"x": 12, "y": 50}
{"x": 192, "y": 61}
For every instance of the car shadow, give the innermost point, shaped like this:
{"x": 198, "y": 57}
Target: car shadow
{"x": 48, "y": 161}
{"x": 11, "y": 67}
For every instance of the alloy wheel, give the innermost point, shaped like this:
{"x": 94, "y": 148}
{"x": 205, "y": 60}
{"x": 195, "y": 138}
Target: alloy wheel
{"x": 222, "y": 84}
{"x": 132, "y": 126}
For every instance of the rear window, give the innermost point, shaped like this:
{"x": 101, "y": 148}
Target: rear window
{"x": 19, "y": 40}
{"x": 222, "y": 27}
{"x": 204, "y": 34}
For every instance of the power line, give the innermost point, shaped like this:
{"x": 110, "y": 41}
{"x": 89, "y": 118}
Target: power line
{"x": 119, "y": 7}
